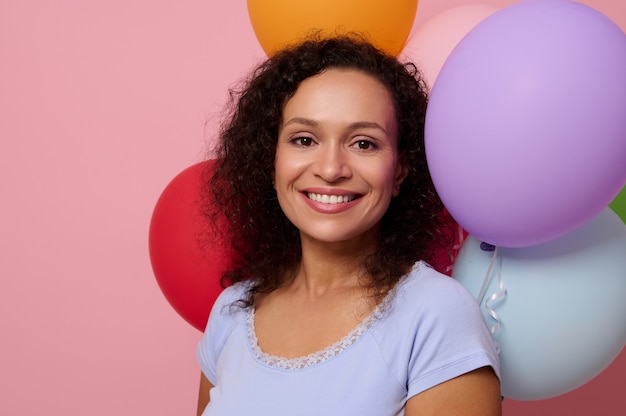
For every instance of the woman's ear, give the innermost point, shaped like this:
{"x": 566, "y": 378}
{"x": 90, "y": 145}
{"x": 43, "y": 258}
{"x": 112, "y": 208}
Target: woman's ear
{"x": 401, "y": 173}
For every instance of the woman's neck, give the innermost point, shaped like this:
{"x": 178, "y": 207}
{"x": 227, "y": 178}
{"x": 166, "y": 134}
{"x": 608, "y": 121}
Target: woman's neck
{"x": 332, "y": 266}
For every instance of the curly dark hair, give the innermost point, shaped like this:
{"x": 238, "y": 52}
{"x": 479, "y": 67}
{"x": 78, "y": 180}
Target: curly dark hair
{"x": 266, "y": 244}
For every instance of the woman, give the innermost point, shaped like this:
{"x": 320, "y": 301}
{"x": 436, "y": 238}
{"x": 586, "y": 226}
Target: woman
{"x": 331, "y": 307}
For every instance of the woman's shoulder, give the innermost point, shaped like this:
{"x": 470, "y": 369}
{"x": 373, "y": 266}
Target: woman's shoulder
{"x": 230, "y": 296}
{"x": 225, "y": 317}
{"x": 235, "y": 290}
{"x": 425, "y": 290}
{"x": 226, "y": 310}
{"x": 436, "y": 321}
{"x": 423, "y": 279}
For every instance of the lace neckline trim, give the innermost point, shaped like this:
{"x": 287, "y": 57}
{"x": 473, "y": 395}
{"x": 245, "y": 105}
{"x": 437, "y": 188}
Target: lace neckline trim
{"x": 318, "y": 357}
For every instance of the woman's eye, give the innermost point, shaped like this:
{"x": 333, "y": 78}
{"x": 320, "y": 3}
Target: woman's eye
{"x": 365, "y": 145}
{"x": 302, "y": 141}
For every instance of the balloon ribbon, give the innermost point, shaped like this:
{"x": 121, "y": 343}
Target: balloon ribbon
{"x": 494, "y": 296}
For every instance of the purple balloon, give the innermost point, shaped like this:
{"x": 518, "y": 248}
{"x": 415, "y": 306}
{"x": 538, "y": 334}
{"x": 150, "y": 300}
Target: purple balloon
{"x": 526, "y": 124}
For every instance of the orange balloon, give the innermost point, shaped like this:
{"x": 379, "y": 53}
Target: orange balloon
{"x": 278, "y": 23}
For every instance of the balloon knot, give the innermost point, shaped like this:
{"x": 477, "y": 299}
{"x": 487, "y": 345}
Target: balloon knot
{"x": 487, "y": 247}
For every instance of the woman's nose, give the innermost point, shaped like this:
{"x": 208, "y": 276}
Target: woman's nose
{"x": 332, "y": 163}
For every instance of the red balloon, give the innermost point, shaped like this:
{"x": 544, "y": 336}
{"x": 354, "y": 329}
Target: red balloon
{"x": 443, "y": 257}
{"x": 187, "y": 270}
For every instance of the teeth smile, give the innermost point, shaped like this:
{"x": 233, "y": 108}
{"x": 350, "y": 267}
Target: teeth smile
{"x": 330, "y": 199}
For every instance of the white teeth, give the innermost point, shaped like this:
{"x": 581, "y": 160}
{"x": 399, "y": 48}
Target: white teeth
{"x": 330, "y": 199}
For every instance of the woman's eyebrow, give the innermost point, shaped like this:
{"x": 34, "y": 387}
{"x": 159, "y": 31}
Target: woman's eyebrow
{"x": 367, "y": 125}
{"x": 301, "y": 120}
{"x": 355, "y": 125}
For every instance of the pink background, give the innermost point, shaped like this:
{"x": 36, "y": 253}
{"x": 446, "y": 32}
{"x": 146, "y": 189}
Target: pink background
{"x": 102, "y": 103}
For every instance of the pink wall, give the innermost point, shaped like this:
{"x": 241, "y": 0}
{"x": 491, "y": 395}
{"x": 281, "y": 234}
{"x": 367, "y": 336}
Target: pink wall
{"x": 101, "y": 104}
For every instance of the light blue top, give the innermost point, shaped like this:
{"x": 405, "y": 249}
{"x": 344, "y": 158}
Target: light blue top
{"x": 428, "y": 330}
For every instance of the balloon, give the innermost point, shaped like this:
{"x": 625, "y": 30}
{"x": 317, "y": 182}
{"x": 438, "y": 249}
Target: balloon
{"x": 562, "y": 317}
{"x": 188, "y": 272}
{"x": 443, "y": 255}
{"x": 619, "y": 204}
{"x": 278, "y": 23}
{"x": 525, "y": 127}
{"x": 430, "y": 44}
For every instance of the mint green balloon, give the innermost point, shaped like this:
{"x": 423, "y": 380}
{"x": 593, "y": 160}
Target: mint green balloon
{"x": 619, "y": 204}
{"x": 561, "y": 321}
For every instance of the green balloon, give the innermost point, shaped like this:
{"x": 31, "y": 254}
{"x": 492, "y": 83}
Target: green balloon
{"x": 619, "y": 204}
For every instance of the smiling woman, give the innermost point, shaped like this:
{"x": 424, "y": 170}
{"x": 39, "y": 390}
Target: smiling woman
{"x": 332, "y": 307}
{"x": 338, "y": 140}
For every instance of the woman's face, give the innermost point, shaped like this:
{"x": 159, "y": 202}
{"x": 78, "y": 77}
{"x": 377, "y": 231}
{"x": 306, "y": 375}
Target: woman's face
{"x": 337, "y": 164}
